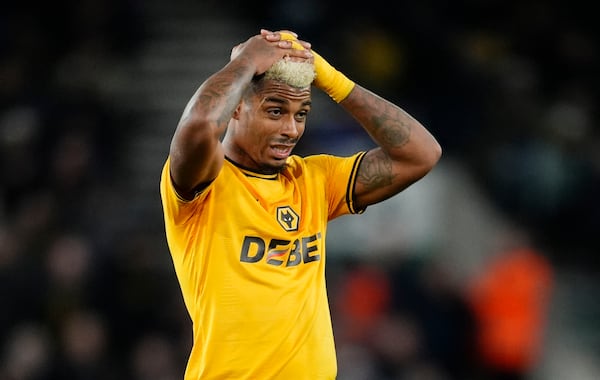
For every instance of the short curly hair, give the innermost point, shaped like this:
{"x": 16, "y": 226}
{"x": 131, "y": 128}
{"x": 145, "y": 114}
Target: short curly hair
{"x": 299, "y": 74}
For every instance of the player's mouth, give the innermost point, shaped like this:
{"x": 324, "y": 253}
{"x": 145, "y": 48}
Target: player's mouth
{"x": 282, "y": 151}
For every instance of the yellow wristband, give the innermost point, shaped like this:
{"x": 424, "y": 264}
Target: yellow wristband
{"x": 330, "y": 80}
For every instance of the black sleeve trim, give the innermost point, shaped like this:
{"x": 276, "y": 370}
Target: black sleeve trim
{"x": 350, "y": 198}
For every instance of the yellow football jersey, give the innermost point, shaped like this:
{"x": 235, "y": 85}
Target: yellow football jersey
{"x": 249, "y": 254}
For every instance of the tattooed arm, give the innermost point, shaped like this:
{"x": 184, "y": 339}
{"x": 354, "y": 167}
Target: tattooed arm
{"x": 196, "y": 152}
{"x": 406, "y": 152}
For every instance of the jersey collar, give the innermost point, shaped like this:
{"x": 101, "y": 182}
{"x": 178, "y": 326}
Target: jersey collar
{"x": 251, "y": 173}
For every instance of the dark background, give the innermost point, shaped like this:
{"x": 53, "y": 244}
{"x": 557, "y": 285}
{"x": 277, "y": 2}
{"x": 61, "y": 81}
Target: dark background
{"x": 91, "y": 91}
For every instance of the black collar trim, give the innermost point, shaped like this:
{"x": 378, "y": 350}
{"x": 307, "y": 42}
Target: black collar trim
{"x": 252, "y": 173}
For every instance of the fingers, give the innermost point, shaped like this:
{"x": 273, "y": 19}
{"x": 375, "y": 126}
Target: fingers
{"x": 265, "y": 32}
{"x": 267, "y": 47}
{"x": 287, "y": 39}
{"x": 295, "y": 51}
{"x": 283, "y": 36}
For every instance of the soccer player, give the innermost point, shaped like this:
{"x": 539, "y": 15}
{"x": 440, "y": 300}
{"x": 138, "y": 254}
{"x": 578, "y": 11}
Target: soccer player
{"x": 246, "y": 220}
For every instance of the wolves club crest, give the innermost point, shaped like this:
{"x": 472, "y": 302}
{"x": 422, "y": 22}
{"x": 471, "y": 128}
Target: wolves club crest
{"x": 287, "y": 218}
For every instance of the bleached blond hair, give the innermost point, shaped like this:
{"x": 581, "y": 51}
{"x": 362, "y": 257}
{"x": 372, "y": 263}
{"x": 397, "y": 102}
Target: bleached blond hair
{"x": 299, "y": 74}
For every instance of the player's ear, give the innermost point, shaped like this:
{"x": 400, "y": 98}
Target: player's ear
{"x": 238, "y": 110}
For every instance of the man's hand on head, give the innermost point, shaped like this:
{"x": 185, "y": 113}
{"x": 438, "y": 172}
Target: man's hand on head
{"x": 330, "y": 80}
{"x": 289, "y": 39}
{"x": 265, "y": 49}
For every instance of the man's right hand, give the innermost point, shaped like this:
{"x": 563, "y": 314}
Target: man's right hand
{"x": 268, "y": 47}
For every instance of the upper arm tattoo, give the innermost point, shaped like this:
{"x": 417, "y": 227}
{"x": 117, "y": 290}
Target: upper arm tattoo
{"x": 375, "y": 170}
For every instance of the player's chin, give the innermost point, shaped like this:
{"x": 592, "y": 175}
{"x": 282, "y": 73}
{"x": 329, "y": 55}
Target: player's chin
{"x": 275, "y": 165}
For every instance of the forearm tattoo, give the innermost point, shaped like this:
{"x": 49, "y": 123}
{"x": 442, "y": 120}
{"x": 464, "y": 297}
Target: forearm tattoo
{"x": 390, "y": 130}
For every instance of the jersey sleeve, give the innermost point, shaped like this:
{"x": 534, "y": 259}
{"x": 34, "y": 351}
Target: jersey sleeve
{"x": 339, "y": 175}
{"x": 176, "y": 209}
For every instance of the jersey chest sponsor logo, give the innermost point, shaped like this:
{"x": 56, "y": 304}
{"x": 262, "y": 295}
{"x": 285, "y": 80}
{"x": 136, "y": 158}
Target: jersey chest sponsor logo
{"x": 280, "y": 252}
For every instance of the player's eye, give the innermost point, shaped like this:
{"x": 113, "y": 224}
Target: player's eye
{"x": 301, "y": 116}
{"x": 274, "y": 111}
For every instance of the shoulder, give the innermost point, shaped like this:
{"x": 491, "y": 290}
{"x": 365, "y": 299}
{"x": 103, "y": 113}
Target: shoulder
{"x": 324, "y": 161}
{"x": 329, "y": 167}
{"x": 313, "y": 163}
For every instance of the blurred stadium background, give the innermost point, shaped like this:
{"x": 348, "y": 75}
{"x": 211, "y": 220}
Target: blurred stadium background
{"x": 486, "y": 269}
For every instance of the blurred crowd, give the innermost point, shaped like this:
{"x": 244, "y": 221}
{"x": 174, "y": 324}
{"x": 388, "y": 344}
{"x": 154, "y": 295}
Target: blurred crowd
{"x": 78, "y": 300}
{"x": 509, "y": 88}
{"x": 413, "y": 319}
